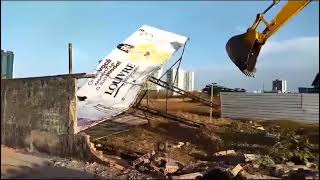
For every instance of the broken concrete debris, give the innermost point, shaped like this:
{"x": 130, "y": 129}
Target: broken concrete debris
{"x": 311, "y": 165}
{"x": 144, "y": 158}
{"x": 225, "y": 153}
{"x": 101, "y": 171}
{"x": 160, "y": 163}
{"x": 234, "y": 171}
{"x": 171, "y": 167}
{"x": 165, "y": 151}
{"x": 179, "y": 145}
{"x": 251, "y": 157}
{"x": 257, "y": 126}
{"x": 246, "y": 175}
{"x": 222, "y": 172}
{"x": 189, "y": 176}
{"x": 290, "y": 163}
{"x": 260, "y": 128}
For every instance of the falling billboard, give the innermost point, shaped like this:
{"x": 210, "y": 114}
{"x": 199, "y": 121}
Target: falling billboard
{"x": 121, "y": 74}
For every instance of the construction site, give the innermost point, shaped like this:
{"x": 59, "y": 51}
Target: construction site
{"x": 110, "y": 125}
{"x": 159, "y": 138}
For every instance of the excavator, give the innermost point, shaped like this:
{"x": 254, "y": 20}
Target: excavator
{"x": 244, "y": 49}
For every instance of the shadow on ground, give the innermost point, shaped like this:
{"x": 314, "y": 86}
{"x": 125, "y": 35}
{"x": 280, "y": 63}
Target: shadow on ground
{"x": 44, "y": 172}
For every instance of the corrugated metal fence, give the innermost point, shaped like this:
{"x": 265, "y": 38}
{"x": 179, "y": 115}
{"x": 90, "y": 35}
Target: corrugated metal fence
{"x": 270, "y": 106}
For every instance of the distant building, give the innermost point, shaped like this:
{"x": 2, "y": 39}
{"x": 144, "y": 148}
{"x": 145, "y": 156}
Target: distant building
{"x": 154, "y": 87}
{"x": 189, "y": 81}
{"x": 176, "y": 78}
{"x": 6, "y": 64}
{"x": 314, "y": 89}
{"x": 181, "y": 79}
{"x": 151, "y": 86}
{"x": 279, "y": 86}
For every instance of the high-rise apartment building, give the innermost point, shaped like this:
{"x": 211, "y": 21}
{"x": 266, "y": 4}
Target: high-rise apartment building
{"x": 189, "y": 81}
{"x": 181, "y": 79}
{"x": 6, "y": 64}
{"x": 279, "y": 86}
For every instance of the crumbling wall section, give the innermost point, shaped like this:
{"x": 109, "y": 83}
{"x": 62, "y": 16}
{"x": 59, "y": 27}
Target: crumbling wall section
{"x": 38, "y": 113}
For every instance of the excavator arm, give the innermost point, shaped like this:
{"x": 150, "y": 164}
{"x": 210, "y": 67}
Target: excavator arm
{"x": 244, "y": 49}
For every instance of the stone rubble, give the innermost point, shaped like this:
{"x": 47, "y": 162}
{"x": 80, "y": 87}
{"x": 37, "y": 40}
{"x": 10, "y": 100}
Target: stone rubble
{"x": 156, "y": 165}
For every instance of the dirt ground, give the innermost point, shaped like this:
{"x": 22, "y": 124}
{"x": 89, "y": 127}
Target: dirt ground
{"x": 278, "y": 144}
{"x": 20, "y": 164}
{"x": 276, "y": 140}
{"x": 185, "y": 105}
{"x": 237, "y": 135}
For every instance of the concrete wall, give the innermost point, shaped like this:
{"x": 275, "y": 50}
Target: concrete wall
{"x": 38, "y": 111}
{"x": 271, "y": 106}
{"x": 40, "y": 114}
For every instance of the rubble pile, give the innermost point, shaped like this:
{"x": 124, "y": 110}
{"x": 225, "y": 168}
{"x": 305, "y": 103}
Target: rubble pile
{"x": 224, "y": 149}
{"x": 157, "y": 165}
{"x": 160, "y": 166}
{"x": 100, "y": 171}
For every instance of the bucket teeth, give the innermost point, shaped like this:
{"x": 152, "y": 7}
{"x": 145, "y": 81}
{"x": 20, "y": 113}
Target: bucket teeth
{"x": 248, "y": 73}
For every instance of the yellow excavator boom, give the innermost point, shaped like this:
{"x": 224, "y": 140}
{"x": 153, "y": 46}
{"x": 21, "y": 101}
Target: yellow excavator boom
{"x": 291, "y": 9}
{"x": 244, "y": 49}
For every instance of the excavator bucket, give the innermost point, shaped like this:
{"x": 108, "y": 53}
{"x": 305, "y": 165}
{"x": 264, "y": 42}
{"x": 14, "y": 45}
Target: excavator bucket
{"x": 243, "y": 50}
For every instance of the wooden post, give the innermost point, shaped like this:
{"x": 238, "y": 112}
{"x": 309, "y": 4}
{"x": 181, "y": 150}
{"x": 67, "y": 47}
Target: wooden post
{"x": 70, "y": 58}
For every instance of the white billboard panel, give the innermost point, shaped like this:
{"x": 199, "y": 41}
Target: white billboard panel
{"x": 121, "y": 74}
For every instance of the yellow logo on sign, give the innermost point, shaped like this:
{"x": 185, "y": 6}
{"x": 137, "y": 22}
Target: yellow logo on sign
{"x": 147, "y": 53}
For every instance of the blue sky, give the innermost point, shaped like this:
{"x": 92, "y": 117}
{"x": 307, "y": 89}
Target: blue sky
{"x": 38, "y": 34}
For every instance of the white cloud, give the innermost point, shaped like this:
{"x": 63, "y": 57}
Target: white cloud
{"x": 300, "y": 44}
{"x": 298, "y": 53}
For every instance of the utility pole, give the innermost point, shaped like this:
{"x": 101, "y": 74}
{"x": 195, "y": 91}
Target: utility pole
{"x": 211, "y": 101}
{"x": 70, "y": 58}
